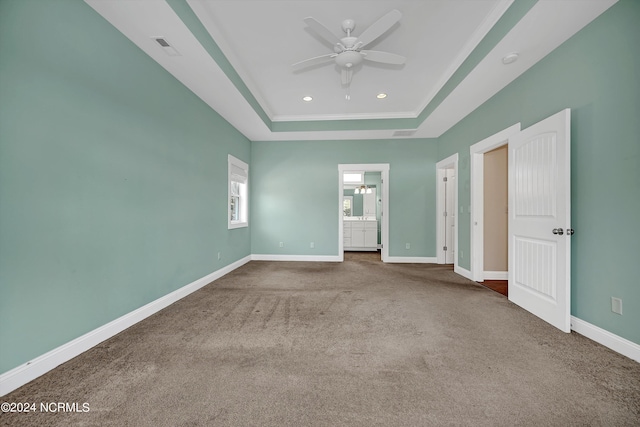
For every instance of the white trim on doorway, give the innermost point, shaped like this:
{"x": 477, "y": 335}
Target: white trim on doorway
{"x": 383, "y": 168}
{"x": 476, "y": 152}
{"x": 450, "y": 162}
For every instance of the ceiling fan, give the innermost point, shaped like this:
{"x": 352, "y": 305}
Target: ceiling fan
{"x": 348, "y": 51}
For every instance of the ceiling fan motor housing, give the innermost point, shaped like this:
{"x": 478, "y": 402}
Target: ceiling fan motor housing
{"x": 348, "y": 25}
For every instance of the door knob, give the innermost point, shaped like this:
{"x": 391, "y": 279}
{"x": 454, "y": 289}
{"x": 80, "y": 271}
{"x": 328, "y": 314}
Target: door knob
{"x": 570, "y": 231}
{"x": 558, "y": 231}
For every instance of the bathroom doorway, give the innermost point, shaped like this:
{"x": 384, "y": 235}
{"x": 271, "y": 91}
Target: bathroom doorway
{"x": 372, "y": 225}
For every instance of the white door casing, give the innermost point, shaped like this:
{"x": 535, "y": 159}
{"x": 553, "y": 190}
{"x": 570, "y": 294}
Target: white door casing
{"x": 539, "y": 210}
{"x": 449, "y": 215}
{"x": 477, "y": 152}
{"x": 383, "y": 168}
{"x": 443, "y": 167}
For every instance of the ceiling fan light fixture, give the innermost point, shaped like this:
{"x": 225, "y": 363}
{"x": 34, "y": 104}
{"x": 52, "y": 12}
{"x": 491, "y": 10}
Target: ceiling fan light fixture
{"x": 381, "y": 95}
{"x": 510, "y": 58}
{"x": 349, "y": 58}
{"x": 307, "y": 98}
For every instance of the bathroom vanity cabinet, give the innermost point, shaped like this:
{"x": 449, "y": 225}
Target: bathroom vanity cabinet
{"x": 360, "y": 235}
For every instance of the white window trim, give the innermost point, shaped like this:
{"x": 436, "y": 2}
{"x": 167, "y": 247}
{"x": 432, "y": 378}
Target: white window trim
{"x": 241, "y": 168}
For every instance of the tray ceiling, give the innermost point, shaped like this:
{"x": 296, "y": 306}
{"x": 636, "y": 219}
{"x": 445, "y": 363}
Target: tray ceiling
{"x": 236, "y": 55}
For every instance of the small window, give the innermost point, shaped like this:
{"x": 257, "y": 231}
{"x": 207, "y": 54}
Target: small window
{"x": 238, "y": 214}
{"x": 353, "y": 177}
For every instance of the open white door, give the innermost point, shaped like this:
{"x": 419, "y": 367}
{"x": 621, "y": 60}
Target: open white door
{"x": 539, "y": 220}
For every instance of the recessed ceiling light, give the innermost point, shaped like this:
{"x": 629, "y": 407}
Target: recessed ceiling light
{"x": 510, "y": 58}
{"x": 381, "y": 95}
{"x": 307, "y": 98}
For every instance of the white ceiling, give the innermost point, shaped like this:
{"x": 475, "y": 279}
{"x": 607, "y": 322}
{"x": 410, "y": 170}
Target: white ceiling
{"x": 261, "y": 39}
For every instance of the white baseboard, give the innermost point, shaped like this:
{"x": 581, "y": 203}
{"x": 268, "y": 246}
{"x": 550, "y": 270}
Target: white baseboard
{"x": 463, "y": 272}
{"x": 496, "y": 275}
{"x": 312, "y": 258}
{"x": 31, "y": 370}
{"x": 606, "y": 338}
{"x": 413, "y": 259}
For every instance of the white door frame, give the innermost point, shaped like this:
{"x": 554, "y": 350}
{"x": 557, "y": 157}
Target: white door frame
{"x": 383, "y": 168}
{"x": 450, "y": 162}
{"x": 477, "y": 151}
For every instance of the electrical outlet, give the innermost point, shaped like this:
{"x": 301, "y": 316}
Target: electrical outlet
{"x": 616, "y": 305}
{"x": 312, "y": 245}
{"x": 407, "y": 246}
{"x": 282, "y": 244}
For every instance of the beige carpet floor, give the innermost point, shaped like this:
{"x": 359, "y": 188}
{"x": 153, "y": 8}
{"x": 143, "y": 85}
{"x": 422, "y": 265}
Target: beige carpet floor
{"x": 359, "y": 343}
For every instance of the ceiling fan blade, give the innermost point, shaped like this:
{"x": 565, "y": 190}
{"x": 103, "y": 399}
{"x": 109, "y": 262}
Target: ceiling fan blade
{"x": 314, "y": 61}
{"x": 346, "y": 75}
{"x": 380, "y": 27}
{"x": 384, "y": 57}
{"x": 321, "y": 30}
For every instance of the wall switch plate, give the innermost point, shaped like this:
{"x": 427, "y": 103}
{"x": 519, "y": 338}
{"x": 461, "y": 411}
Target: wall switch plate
{"x": 407, "y": 246}
{"x": 219, "y": 256}
{"x": 282, "y": 244}
{"x": 616, "y": 305}
{"x": 312, "y": 245}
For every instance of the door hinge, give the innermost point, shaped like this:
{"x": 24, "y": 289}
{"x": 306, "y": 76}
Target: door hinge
{"x": 444, "y": 248}
{"x": 444, "y": 179}
{"x": 444, "y": 214}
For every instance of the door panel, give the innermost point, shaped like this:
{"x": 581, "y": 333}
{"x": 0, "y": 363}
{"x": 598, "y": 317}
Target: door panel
{"x": 450, "y": 216}
{"x": 538, "y": 270}
{"x": 357, "y": 235}
{"x": 371, "y": 237}
{"x": 539, "y": 198}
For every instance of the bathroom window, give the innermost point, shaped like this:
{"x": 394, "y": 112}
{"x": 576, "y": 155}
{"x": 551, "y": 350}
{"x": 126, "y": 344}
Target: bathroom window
{"x": 238, "y": 214}
{"x": 353, "y": 177}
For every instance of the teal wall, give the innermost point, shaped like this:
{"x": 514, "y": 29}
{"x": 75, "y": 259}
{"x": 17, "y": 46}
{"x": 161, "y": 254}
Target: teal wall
{"x": 113, "y": 178}
{"x": 295, "y": 194}
{"x": 595, "y": 73}
{"x": 113, "y": 175}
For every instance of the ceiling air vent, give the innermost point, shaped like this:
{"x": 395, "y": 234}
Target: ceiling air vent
{"x": 163, "y": 42}
{"x": 404, "y": 132}
{"x": 166, "y": 46}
